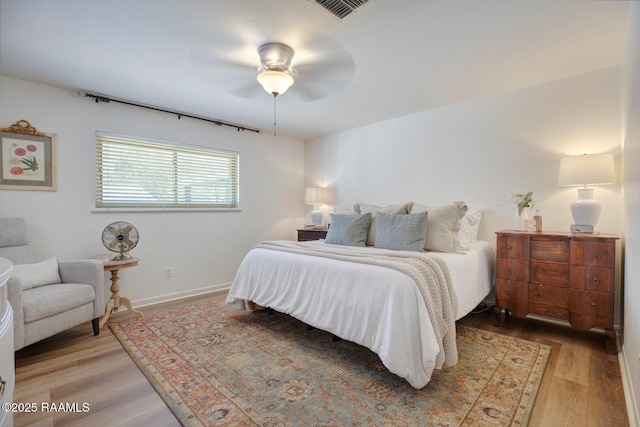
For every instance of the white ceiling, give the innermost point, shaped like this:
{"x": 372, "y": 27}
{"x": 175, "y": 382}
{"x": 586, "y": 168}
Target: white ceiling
{"x": 389, "y": 58}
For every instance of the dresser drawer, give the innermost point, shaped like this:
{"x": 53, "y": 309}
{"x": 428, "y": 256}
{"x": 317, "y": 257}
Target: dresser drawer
{"x": 554, "y": 296}
{"x": 311, "y": 234}
{"x": 597, "y": 306}
{"x": 511, "y": 269}
{"x": 595, "y": 254}
{"x": 549, "y": 273}
{"x": 549, "y": 311}
{"x": 513, "y": 296}
{"x": 510, "y": 290}
{"x": 591, "y": 278}
{"x": 512, "y": 247}
{"x": 550, "y": 250}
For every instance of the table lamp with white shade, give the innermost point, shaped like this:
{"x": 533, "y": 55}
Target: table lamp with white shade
{"x": 585, "y": 170}
{"x": 317, "y": 196}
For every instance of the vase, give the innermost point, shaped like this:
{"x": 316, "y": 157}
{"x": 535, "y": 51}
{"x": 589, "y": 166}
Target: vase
{"x": 521, "y": 221}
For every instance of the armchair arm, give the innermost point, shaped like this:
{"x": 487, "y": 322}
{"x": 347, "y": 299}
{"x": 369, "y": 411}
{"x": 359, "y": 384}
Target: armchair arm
{"x": 14, "y": 296}
{"x": 86, "y": 271}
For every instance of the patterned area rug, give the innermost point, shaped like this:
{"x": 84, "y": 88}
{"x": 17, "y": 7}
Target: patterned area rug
{"x": 217, "y": 366}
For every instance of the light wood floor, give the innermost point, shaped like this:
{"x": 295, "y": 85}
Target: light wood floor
{"x": 581, "y": 386}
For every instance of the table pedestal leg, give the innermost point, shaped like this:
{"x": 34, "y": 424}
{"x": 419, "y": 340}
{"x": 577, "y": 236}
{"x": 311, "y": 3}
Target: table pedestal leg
{"x": 116, "y": 300}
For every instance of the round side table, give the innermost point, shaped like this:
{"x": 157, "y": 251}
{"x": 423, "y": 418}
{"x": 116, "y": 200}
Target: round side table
{"x": 116, "y": 301}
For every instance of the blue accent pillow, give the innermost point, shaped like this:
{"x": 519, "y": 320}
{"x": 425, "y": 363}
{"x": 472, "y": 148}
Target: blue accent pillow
{"x": 404, "y": 232}
{"x": 348, "y": 230}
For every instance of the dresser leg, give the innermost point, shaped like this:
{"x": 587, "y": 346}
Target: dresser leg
{"x": 611, "y": 340}
{"x": 497, "y": 316}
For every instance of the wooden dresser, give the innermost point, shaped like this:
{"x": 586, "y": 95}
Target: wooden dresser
{"x": 559, "y": 275}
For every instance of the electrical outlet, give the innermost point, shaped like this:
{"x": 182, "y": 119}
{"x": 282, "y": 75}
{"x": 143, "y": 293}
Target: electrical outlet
{"x": 168, "y": 272}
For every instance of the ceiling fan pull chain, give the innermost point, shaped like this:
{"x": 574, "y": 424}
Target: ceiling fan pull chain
{"x": 274, "y": 113}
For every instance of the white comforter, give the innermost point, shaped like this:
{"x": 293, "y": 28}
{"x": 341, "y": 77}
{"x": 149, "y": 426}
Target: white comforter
{"x": 372, "y": 305}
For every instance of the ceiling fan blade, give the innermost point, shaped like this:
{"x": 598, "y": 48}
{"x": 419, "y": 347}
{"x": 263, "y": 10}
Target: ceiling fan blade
{"x": 249, "y": 90}
{"x": 319, "y": 80}
{"x": 221, "y": 62}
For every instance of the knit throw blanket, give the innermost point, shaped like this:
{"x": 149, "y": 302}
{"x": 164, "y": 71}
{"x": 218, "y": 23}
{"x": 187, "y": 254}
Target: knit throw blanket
{"x": 430, "y": 274}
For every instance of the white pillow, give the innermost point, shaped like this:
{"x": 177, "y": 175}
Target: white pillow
{"x": 391, "y": 209}
{"x": 443, "y": 224}
{"x": 38, "y": 274}
{"x": 469, "y": 226}
{"x": 343, "y": 211}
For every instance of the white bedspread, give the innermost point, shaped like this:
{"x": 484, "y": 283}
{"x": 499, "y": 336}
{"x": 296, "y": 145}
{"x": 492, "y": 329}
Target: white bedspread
{"x": 375, "y": 306}
{"x": 472, "y": 274}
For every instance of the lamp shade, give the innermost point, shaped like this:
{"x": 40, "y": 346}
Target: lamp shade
{"x": 587, "y": 169}
{"x": 317, "y": 195}
{"x": 275, "y": 82}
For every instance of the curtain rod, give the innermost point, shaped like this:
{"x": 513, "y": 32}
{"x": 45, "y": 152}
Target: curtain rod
{"x": 106, "y": 99}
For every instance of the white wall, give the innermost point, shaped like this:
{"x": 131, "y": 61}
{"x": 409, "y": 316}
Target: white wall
{"x": 480, "y": 151}
{"x": 203, "y": 248}
{"x": 631, "y": 151}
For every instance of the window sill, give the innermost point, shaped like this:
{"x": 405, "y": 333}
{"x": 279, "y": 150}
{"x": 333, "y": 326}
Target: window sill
{"x": 158, "y": 210}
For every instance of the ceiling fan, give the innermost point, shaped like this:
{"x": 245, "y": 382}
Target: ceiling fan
{"x": 317, "y": 65}
{"x": 277, "y": 75}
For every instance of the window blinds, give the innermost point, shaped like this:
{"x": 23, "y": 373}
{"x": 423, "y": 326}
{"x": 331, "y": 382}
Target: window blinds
{"x": 135, "y": 173}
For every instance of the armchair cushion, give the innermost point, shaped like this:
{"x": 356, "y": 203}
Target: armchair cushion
{"x": 46, "y": 301}
{"x": 38, "y": 274}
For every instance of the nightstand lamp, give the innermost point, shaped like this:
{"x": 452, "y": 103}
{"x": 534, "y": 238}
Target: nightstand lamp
{"x": 317, "y": 196}
{"x": 588, "y": 169}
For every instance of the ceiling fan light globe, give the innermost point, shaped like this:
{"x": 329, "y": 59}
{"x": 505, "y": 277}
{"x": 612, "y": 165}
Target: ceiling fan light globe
{"x": 275, "y": 82}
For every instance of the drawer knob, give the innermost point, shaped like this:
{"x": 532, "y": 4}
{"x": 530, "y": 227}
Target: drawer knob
{"x": 507, "y": 290}
{"x": 594, "y": 305}
{"x": 596, "y": 255}
{"x": 596, "y": 281}
{"x": 509, "y": 270}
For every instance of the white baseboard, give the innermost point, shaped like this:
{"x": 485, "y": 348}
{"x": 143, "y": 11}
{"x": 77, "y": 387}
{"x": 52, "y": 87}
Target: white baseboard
{"x": 629, "y": 394}
{"x": 180, "y": 295}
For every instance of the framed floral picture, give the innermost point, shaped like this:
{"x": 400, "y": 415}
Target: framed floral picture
{"x": 26, "y": 158}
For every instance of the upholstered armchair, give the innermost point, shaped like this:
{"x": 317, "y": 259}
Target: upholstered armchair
{"x": 48, "y": 297}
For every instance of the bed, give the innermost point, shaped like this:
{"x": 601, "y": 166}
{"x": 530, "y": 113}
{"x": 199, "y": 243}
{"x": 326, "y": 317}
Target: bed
{"x": 400, "y": 304}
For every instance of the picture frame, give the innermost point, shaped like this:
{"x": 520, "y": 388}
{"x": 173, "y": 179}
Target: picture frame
{"x": 27, "y": 158}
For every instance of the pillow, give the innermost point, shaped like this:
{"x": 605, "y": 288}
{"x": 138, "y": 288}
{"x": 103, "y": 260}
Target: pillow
{"x": 402, "y": 232}
{"x": 373, "y": 209}
{"x": 443, "y": 224}
{"x": 345, "y": 211}
{"x": 469, "y": 226}
{"x": 348, "y": 230}
{"x": 38, "y": 274}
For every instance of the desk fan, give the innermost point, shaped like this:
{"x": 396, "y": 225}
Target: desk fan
{"x": 120, "y": 237}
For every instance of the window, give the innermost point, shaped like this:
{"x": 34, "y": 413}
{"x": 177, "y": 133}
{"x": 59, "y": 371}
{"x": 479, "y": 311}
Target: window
{"x": 137, "y": 173}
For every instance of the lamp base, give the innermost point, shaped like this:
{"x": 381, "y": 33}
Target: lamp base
{"x": 582, "y": 228}
{"x": 316, "y": 217}
{"x": 586, "y": 210}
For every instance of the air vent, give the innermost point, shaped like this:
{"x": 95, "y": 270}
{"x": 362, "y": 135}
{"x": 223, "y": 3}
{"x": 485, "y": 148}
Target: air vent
{"x": 341, "y": 8}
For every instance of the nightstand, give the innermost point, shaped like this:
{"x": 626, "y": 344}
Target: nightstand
{"x": 311, "y": 233}
{"x": 560, "y": 275}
